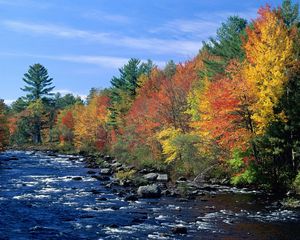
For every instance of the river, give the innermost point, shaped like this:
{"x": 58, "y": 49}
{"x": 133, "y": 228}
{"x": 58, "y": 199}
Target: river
{"x": 41, "y": 199}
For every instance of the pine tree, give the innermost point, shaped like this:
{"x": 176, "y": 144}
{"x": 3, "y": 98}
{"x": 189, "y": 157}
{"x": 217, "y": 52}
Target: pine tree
{"x": 38, "y": 86}
{"x": 38, "y": 83}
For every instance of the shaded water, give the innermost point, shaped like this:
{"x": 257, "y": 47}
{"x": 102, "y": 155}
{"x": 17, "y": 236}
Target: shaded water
{"x": 39, "y": 199}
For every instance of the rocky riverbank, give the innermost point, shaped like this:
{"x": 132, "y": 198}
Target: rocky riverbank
{"x": 97, "y": 197}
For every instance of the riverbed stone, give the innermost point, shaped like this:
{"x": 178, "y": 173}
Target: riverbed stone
{"x": 106, "y": 171}
{"x": 162, "y": 177}
{"x": 149, "y": 191}
{"x": 151, "y": 176}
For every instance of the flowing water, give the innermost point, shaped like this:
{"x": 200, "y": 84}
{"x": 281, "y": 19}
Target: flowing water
{"x": 41, "y": 199}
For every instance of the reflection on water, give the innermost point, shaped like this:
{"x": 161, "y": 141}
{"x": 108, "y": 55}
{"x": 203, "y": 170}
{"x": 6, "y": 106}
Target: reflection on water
{"x": 40, "y": 198}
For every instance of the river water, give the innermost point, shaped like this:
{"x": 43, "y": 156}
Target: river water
{"x": 40, "y": 199}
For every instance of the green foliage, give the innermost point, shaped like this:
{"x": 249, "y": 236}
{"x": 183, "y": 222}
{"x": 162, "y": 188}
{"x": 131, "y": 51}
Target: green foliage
{"x": 296, "y": 183}
{"x": 125, "y": 175}
{"x": 124, "y": 88}
{"x": 38, "y": 83}
{"x": 290, "y": 13}
{"x": 243, "y": 174}
{"x": 68, "y": 100}
{"x": 19, "y": 105}
{"x": 225, "y": 47}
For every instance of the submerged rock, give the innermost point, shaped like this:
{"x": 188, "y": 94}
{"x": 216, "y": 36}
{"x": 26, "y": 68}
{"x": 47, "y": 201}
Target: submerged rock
{"x": 77, "y": 178}
{"x": 149, "y": 191}
{"x": 131, "y": 198}
{"x": 179, "y": 229}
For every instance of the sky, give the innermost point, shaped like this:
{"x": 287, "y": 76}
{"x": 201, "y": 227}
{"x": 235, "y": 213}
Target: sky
{"x": 83, "y": 43}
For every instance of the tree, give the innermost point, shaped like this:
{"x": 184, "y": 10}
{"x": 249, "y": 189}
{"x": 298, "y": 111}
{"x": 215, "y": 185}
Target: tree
{"x": 269, "y": 51}
{"x": 90, "y": 123}
{"x": 124, "y": 89}
{"x": 225, "y": 47}
{"x": 38, "y": 83}
{"x": 290, "y": 13}
{"x": 38, "y": 86}
{"x": 4, "y": 131}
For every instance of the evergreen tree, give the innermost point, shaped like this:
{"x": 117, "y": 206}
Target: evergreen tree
{"x": 124, "y": 87}
{"x": 290, "y": 13}
{"x": 38, "y": 83}
{"x": 226, "y": 46}
{"x": 39, "y": 87}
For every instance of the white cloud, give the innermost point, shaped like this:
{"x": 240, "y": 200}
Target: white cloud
{"x": 202, "y": 25}
{"x": 103, "y": 61}
{"x": 9, "y": 101}
{"x": 26, "y": 3}
{"x": 157, "y": 45}
{"x": 196, "y": 28}
{"x": 103, "y": 16}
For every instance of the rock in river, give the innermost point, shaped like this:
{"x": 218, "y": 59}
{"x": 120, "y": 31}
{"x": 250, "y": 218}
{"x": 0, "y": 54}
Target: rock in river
{"x": 150, "y": 176}
{"x": 149, "y": 191}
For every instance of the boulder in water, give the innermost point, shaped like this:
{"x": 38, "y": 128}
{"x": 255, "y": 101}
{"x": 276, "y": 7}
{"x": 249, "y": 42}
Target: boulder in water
{"x": 149, "y": 191}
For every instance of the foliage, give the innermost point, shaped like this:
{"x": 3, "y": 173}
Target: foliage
{"x": 296, "y": 183}
{"x": 269, "y": 51}
{"x": 38, "y": 83}
{"x": 243, "y": 171}
{"x": 125, "y": 175}
{"x": 4, "y": 130}
{"x": 225, "y": 47}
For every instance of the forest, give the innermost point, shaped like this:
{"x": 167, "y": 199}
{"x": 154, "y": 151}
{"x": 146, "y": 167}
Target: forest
{"x": 232, "y": 111}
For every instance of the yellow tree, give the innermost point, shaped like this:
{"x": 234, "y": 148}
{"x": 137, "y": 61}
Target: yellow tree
{"x": 269, "y": 51}
{"x": 89, "y": 127}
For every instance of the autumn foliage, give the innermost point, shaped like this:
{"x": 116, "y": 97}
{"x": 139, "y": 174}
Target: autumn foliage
{"x": 233, "y": 107}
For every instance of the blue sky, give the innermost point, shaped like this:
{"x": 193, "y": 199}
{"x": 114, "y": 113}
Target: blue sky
{"x": 82, "y": 43}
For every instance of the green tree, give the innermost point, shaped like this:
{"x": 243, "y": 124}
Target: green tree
{"x": 226, "y": 46}
{"x": 124, "y": 88}
{"x": 290, "y": 13}
{"x": 38, "y": 83}
{"x": 39, "y": 87}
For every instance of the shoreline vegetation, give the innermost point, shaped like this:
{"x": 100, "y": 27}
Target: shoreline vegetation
{"x": 230, "y": 115}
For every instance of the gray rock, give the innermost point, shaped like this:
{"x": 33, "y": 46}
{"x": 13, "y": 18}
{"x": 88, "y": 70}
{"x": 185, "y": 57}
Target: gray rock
{"x": 162, "y": 177}
{"x": 116, "y": 165}
{"x": 149, "y": 191}
{"x": 106, "y": 171}
{"x": 151, "y": 176}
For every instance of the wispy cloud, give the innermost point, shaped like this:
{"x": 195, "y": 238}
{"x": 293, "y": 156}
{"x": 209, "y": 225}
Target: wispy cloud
{"x": 155, "y": 45}
{"x": 196, "y": 28}
{"x": 103, "y": 61}
{"x": 103, "y": 16}
{"x": 26, "y": 3}
{"x": 202, "y": 25}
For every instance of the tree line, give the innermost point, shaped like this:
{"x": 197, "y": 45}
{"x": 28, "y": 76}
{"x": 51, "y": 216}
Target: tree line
{"x": 234, "y": 108}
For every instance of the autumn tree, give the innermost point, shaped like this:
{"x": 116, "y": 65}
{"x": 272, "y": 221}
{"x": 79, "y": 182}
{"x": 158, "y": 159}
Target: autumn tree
{"x": 269, "y": 51}
{"x": 90, "y": 123}
{"x": 4, "y": 131}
